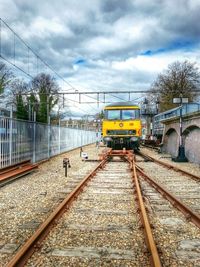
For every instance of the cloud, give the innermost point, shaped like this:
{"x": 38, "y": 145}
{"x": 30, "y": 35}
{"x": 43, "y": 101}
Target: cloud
{"x": 104, "y": 45}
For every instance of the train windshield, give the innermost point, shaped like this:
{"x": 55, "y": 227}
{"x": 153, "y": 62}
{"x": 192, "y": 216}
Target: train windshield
{"x": 113, "y": 114}
{"x": 126, "y": 114}
{"x": 130, "y": 114}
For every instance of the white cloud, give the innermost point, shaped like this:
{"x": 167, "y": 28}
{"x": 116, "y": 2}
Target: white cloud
{"x": 155, "y": 63}
{"x": 143, "y": 63}
{"x": 110, "y": 37}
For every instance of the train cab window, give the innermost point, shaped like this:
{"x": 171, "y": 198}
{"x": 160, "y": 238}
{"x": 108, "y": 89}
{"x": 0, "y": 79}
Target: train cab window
{"x": 130, "y": 114}
{"x": 113, "y": 114}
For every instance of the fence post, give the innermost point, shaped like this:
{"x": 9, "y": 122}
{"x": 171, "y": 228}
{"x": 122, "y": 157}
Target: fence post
{"x": 59, "y": 137}
{"x": 10, "y": 135}
{"x": 1, "y": 143}
{"x": 34, "y": 136}
{"x": 48, "y": 136}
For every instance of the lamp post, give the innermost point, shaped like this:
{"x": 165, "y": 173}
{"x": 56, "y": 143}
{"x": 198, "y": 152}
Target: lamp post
{"x": 181, "y": 149}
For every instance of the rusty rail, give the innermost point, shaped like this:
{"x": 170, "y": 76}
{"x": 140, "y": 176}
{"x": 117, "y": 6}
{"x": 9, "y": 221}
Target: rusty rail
{"x": 190, "y": 215}
{"x": 28, "y": 248}
{"x": 14, "y": 166}
{"x": 156, "y": 148}
{"x": 167, "y": 165}
{"x": 154, "y": 256}
{"x": 130, "y": 157}
{"x": 16, "y": 171}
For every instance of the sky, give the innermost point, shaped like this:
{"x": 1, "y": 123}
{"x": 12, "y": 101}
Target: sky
{"x": 105, "y": 45}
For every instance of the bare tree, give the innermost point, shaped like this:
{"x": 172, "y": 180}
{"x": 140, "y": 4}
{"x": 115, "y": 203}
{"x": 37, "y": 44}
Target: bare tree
{"x": 5, "y": 77}
{"x": 180, "y": 78}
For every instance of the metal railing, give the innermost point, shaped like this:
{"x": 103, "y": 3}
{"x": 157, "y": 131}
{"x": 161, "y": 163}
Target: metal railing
{"x": 20, "y": 140}
{"x": 158, "y": 126}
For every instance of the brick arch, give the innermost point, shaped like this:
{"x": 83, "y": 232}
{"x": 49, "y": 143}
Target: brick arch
{"x": 171, "y": 137}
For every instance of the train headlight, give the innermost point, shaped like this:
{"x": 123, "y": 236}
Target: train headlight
{"x": 107, "y": 138}
{"x": 134, "y": 139}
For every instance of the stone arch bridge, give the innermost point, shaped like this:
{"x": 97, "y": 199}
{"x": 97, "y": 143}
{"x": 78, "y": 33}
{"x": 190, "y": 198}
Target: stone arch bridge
{"x": 190, "y": 134}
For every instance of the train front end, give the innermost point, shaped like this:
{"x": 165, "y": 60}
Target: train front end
{"x": 122, "y": 126}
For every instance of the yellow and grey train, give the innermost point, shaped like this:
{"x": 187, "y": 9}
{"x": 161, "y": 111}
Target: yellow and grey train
{"x": 122, "y": 126}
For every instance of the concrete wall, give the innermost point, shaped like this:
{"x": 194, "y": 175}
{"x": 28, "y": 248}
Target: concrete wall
{"x": 171, "y": 138}
{"x": 192, "y": 146}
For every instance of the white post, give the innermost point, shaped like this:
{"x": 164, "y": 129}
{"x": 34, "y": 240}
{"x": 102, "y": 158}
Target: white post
{"x": 48, "y": 136}
{"x": 59, "y": 141}
{"x": 34, "y": 136}
{"x": 10, "y": 135}
{"x": 1, "y": 141}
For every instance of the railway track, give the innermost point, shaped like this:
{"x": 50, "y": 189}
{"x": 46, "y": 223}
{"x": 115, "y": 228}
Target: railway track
{"x": 177, "y": 239}
{"x": 182, "y": 190}
{"x": 169, "y": 166}
{"x": 156, "y": 148}
{"x": 103, "y": 220}
{"x": 101, "y": 228}
{"x": 8, "y": 174}
{"x": 184, "y": 186}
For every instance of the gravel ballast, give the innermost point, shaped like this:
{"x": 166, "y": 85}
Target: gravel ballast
{"x": 27, "y": 202}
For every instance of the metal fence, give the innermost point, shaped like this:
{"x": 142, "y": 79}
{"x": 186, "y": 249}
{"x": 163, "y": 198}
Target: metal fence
{"x": 21, "y": 140}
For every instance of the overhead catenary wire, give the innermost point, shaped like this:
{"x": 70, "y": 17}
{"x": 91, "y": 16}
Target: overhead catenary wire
{"x": 15, "y": 36}
{"x": 29, "y": 49}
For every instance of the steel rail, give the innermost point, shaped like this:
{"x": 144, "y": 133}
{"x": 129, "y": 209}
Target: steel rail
{"x": 154, "y": 256}
{"x": 35, "y": 240}
{"x": 8, "y": 175}
{"x": 14, "y": 166}
{"x": 190, "y": 215}
{"x": 167, "y": 165}
{"x": 157, "y": 148}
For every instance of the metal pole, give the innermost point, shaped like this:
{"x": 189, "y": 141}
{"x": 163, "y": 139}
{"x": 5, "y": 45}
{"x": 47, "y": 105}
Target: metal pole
{"x": 181, "y": 150}
{"x": 0, "y": 34}
{"x": 181, "y": 123}
{"x": 11, "y": 134}
{"x": 47, "y": 108}
{"x": 66, "y": 170}
{"x": 29, "y": 110}
{"x": 14, "y": 49}
{"x": 1, "y": 141}
{"x": 151, "y": 127}
{"x": 81, "y": 134}
{"x": 34, "y": 137}
{"x": 59, "y": 137}
{"x": 48, "y": 133}
{"x": 28, "y": 63}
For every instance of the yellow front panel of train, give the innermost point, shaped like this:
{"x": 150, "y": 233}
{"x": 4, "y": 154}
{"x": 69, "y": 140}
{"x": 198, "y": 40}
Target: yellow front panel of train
{"x": 127, "y": 126}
